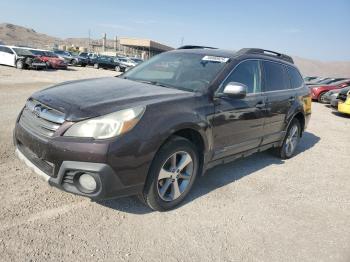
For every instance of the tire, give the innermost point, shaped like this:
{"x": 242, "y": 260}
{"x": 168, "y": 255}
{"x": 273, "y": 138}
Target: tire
{"x": 73, "y": 62}
{"x": 172, "y": 174}
{"x": 291, "y": 139}
{"x": 96, "y": 66}
{"x": 117, "y": 68}
{"x": 321, "y": 98}
{"x": 20, "y": 64}
{"x": 83, "y": 65}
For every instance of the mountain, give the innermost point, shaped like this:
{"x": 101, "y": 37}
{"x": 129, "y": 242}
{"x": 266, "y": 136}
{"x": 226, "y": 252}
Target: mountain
{"x": 310, "y": 67}
{"x": 18, "y": 35}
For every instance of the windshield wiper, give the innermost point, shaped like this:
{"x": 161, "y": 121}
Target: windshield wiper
{"x": 155, "y": 83}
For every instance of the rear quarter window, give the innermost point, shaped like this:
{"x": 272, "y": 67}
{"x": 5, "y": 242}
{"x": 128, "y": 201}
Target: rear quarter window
{"x": 275, "y": 77}
{"x": 295, "y": 78}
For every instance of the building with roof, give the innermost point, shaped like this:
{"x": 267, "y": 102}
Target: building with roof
{"x": 133, "y": 47}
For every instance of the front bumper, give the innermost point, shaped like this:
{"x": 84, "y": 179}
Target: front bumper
{"x": 60, "y": 163}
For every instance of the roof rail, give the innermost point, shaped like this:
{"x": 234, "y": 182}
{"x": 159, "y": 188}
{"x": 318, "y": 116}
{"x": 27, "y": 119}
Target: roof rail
{"x": 196, "y": 47}
{"x": 266, "y": 52}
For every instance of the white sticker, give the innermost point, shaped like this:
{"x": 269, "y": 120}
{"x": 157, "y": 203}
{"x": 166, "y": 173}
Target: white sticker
{"x": 215, "y": 59}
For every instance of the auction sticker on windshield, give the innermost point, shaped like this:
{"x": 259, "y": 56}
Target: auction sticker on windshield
{"x": 215, "y": 59}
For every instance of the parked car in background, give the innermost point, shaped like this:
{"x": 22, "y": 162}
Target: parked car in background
{"x": 108, "y": 62}
{"x": 316, "y": 80}
{"x": 328, "y": 81}
{"x": 328, "y": 96}
{"x": 69, "y": 58}
{"x": 318, "y": 92}
{"x": 335, "y": 99}
{"x": 20, "y": 58}
{"x": 126, "y": 62}
{"x": 48, "y": 57}
{"x": 310, "y": 78}
{"x": 344, "y": 103}
{"x": 137, "y": 60}
{"x": 91, "y": 57}
{"x": 155, "y": 129}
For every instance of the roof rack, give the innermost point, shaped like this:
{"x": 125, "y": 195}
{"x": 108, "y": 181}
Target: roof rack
{"x": 266, "y": 52}
{"x": 196, "y": 47}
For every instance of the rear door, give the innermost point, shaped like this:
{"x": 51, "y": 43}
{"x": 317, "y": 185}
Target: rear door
{"x": 238, "y": 123}
{"x": 279, "y": 99}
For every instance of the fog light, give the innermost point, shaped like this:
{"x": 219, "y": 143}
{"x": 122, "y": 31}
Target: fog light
{"x": 87, "y": 182}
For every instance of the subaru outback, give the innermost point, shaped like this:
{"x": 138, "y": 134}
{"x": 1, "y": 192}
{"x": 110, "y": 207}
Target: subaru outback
{"x": 154, "y": 129}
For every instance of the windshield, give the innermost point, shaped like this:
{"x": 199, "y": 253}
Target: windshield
{"x": 191, "y": 72}
{"x": 20, "y": 51}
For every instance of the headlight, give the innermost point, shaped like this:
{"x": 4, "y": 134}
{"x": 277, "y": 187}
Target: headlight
{"x": 107, "y": 126}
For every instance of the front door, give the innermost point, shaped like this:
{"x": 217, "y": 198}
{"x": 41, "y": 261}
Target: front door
{"x": 238, "y": 123}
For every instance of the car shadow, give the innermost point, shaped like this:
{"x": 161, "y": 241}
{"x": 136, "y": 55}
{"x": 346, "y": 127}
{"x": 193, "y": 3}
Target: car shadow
{"x": 340, "y": 114}
{"x": 217, "y": 177}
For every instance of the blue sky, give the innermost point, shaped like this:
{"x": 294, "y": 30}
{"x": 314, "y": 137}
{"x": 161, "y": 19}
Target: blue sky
{"x": 310, "y": 29}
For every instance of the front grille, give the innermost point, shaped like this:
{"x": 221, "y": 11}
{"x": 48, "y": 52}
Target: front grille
{"x": 69, "y": 177}
{"x": 40, "y": 119}
{"x": 45, "y": 166}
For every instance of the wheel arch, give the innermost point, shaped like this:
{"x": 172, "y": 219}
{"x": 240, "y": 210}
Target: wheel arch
{"x": 194, "y": 135}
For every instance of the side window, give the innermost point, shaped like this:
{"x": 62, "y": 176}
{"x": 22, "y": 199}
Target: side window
{"x": 275, "y": 77}
{"x": 248, "y": 73}
{"x": 1, "y": 49}
{"x": 295, "y": 77}
{"x": 6, "y": 50}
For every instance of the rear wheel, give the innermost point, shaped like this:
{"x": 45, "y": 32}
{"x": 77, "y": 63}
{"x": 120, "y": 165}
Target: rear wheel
{"x": 172, "y": 174}
{"x": 96, "y": 66}
{"x": 291, "y": 140}
{"x": 74, "y": 62}
{"x": 117, "y": 68}
{"x": 19, "y": 64}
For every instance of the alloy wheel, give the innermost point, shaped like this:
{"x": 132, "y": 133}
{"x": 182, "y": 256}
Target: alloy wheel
{"x": 292, "y": 140}
{"x": 175, "y": 176}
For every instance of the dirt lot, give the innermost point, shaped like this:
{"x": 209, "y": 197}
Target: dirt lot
{"x": 255, "y": 209}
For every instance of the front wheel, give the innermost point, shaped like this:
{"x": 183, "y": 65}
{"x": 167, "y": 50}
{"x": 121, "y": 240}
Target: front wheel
{"x": 291, "y": 140}
{"x": 172, "y": 174}
{"x": 96, "y": 66}
{"x": 19, "y": 64}
{"x": 117, "y": 68}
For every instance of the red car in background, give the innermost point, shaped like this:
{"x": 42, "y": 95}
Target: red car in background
{"x": 51, "y": 59}
{"x": 318, "y": 92}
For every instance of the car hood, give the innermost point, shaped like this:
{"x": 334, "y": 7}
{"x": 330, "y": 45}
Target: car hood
{"x": 89, "y": 98}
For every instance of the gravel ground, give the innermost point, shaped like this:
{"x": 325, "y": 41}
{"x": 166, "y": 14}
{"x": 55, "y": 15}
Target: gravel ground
{"x": 255, "y": 209}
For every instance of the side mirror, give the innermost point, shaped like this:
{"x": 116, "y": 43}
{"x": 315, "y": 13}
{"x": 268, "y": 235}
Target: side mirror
{"x": 235, "y": 90}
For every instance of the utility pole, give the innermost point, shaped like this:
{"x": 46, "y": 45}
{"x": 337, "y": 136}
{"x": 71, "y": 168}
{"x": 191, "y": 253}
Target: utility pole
{"x": 89, "y": 48}
{"x": 182, "y": 41}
